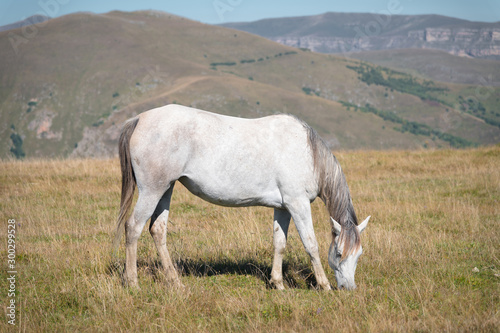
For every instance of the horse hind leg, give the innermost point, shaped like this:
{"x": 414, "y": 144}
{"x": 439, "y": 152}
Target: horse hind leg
{"x": 280, "y": 231}
{"x": 143, "y": 210}
{"x": 158, "y": 230}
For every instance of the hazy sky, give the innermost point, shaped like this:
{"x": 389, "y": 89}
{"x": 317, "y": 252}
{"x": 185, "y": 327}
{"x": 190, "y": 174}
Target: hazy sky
{"x": 221, "y": 11}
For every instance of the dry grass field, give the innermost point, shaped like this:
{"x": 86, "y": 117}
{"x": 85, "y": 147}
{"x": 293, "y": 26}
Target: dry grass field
{"x": 430, "y": 262}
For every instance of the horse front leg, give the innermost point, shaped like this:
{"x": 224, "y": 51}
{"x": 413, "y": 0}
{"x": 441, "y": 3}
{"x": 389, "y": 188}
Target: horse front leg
{"x": 280, "y": 232}
{"x": 301, "y": 213}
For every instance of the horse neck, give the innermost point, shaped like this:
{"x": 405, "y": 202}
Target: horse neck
{"x": 334, "y": 191}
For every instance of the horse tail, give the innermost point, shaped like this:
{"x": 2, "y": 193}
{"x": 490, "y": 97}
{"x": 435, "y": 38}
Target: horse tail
{"x": 128, "y": 178}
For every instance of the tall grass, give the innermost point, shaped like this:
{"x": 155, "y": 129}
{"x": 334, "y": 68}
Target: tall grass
{"x": 430, "y": 262}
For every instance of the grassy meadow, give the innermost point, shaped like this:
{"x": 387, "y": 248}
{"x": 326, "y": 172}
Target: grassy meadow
{"x": 430, "y": 262}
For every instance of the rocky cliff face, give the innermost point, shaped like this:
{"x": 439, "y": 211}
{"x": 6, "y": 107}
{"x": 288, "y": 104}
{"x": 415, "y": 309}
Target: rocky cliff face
{"x": 480, "y": 43}
{"x": 346, "y": 33}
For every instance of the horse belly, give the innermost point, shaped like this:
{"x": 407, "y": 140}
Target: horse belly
{"x": 218, "y": 192}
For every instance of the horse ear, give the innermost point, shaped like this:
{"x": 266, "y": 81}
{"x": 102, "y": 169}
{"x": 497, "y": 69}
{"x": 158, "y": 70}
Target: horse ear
{"x": 363, "y": 224}
{"x": 336, "y": 226}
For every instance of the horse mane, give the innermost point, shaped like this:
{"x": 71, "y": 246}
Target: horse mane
{"x": 334, "y": 192}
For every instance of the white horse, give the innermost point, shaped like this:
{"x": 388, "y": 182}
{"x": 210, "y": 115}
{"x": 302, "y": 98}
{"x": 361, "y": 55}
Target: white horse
{"x": 276, "y": 161}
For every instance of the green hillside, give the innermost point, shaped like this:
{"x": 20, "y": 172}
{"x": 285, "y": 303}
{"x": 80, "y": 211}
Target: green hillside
{"x": 436, "y": 65}
{"x": 68, "y": 89}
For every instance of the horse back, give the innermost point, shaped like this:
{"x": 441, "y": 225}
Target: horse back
{"x": 224, "y": 157}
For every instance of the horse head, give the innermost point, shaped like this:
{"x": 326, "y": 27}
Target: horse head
{"x": 344, "y": 253}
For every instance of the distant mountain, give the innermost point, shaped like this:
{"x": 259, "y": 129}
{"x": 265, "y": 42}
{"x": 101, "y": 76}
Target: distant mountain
{"x": 353, "y": 32}
{"x": 66, "y": 90}
{"x": 35, "y": 19}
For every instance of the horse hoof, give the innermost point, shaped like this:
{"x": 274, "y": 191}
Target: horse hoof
{"x": 130, "y": 283}
{"x": 278, "y": 285}
{"x": 327, "y": 287}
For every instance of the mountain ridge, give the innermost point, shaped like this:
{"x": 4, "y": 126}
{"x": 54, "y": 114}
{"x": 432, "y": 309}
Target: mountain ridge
{"x": 355, "y": 32}
{"x": 32, "y": 20}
